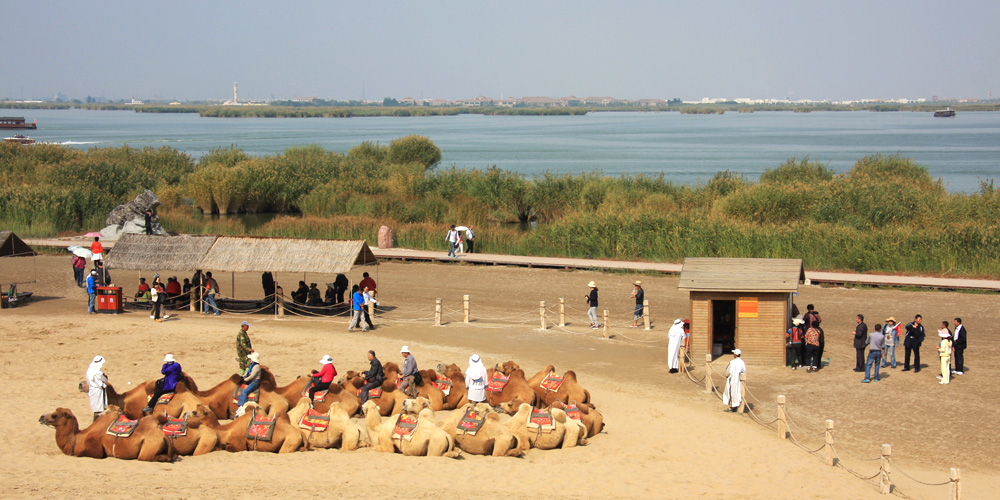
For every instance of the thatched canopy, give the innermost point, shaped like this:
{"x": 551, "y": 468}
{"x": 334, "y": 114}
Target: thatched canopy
{"x": 138, "y": 252}
{"x": 252, "y": 254}
{"x": 12, "y": 246}
{"x": 738, "y": 275}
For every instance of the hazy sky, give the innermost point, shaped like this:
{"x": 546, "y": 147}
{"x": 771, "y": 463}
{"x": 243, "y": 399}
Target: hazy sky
{"x": 449, "y": 50}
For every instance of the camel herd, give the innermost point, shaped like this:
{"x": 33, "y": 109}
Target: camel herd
{"x": 547, "y": 411}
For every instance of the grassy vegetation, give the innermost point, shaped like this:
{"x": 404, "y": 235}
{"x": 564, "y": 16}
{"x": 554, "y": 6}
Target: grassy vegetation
{"x": 885, "y": 215}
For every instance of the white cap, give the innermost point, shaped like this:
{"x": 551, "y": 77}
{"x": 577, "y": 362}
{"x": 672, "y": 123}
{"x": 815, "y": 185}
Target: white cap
{"x": 474, "y": 358}
{"x": 254, "y": 356}
{"x": 169, "y": 358}
{"x": 405, "y": 349}
{"x": 245, "y": 323}
{"x": 737, "y": 352}
{"x": 327, "y": 360}
{"x": 99, "y": 359}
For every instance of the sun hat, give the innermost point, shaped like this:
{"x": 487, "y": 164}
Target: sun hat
{"x": 327, "y": 360}
{"x": 254, "y": 356}
{"x": 405, "y": 349}
{"x": 245, "y": 323}
{"x": 93, "y": 273}
{"x": 99, "y": 359}
{"x": 797, "y": 321}
{"x": 592, "y": 284}
{"x": 890, "y": 318}
{"x": 737, "y": 352}
{"x": 169, "y": 358}
{"x": 944, "y": 334}
{"x": 638, "y": 283}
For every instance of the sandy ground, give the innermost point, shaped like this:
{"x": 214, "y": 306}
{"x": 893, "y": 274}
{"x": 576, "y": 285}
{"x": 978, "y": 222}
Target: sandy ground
{"x": 664, "y": 438}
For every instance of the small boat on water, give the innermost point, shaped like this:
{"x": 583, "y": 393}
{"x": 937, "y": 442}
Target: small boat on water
{"x": 945, "y": 113}
{"x": 16, "y": 122}
{"x": 20, "y": 139}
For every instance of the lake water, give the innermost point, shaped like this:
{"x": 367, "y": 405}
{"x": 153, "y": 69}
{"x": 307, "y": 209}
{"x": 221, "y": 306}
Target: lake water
{"x": 684, "y": 148}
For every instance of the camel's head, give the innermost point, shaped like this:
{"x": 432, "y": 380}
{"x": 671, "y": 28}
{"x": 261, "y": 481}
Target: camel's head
{"x": 508, "y": 367}
{"x": 389, "y": 366}
{"x": 84, "y": 387}
{"x": 416, "y": 405}
{"x": 369, "y": 406}
{"x": 508, "y": 408}
{"x": 449, "y": 370}
{"x": 57, "y": 418}
{"x": 302, "y": 404}
{"x": 204, "y": 414}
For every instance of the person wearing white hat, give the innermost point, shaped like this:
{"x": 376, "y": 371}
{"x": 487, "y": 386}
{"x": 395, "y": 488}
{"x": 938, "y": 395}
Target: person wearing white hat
{"x": 592, "y": 305}
{"x": 676, "y": 337}
{"x": 251, "y": 377}
{"x": 171, "y": 371}
{"x": 243, "y": 346}
{"x": 91, "y": 292}
{"x": 639, "y": 295}
{"x": 944, "y": 350}
{"x": 322, "y": 379}
{"x": 97, "y": 381}
{"x": 408, "y": 380}
{"x": 475, "y": 379}
{"x": 731, "y": 395}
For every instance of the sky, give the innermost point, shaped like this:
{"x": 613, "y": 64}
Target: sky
{"x": 195, "y": 50}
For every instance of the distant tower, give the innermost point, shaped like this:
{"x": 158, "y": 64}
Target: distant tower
{"x": 235, "y": 97}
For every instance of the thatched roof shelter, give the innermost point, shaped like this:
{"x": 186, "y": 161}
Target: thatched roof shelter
{"x": 137, "y": 252}
{"x": 12, "y": 246}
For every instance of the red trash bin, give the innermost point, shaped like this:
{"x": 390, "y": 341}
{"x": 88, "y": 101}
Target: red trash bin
{"x": 109, "y": 299}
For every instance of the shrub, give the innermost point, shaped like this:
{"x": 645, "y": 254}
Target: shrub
{"x": 414, "y": 148}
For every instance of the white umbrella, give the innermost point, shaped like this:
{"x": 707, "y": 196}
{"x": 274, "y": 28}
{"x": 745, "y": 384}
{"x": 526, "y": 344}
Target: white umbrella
{"x": 80, "y": 251}
{"x": 461, "y": 228}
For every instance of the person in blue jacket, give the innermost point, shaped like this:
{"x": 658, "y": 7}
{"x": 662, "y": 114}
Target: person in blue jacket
{"x": 171, "y": 371}
{"x": 92, "y": 292}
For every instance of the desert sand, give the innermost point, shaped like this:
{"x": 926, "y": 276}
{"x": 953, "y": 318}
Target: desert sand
{"x": 664, "y": 437}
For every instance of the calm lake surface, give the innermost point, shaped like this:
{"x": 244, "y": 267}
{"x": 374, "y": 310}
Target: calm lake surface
{"x": 687, "y": 149}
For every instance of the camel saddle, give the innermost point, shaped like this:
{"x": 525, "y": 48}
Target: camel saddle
{"x": 175, "y": 427}
{"x": 551, "y": 382}
{"x": 472, "y": 421}
{"x": 405, "y": 427}
{"x": 261, "y": 427}
{"x": 253, "y": 397}
{"x": 372, "y": 393}
{"x": 498, "y": 381}
{"x": 541, "y": 419}
{"x": 314, "y": 421}
{"x": 162, "y": 400}
{"x": 318, "y": 397}
{"x": 573, "y": 411}
{"x": 443, "y": 383}
{"x": 122, "y": 427}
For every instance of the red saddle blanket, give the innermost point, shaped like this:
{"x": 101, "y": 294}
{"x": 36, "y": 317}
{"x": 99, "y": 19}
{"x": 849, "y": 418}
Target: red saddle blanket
{"x": 551, "y": 382}
{"x": 472, "y": 421}
{"x": 443, "y": 383}
{"x": 162, "y": 400}
{"x": 573, "y": 411}
{"x": 498, "y": 381}
{"x": 405, "y": 427}
{"x": 314, "y": 421}
{"x": 261, "y": 427}
{"x": 318, "y": 397}
{"x": 175, "y": 427}
{"x": 253, "y": 397}
{"x": 541, "y": 419}
{"x": 122, "y": 427}
{"x": 372, "y": 393}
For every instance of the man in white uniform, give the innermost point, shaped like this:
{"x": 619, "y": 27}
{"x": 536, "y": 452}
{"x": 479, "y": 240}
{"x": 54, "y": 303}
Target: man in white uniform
{"x": 676, "y": 338}
{"x": 98, "y": 383}
{"x": 731, "y": 395}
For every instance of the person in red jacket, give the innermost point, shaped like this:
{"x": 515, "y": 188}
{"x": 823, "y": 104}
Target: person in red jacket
{"x": 322, "y": 379}
{"x": 97, "y": 249}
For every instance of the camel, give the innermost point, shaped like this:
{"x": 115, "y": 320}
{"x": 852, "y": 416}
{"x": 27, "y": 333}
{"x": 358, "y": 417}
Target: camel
{"x": 592, "y": 419}
{"x": 459, "y": 393}
{"x": 567, "y": 433}
{"x": 286, "y": 438}
{"x": 293, "y": 392}
{"x": 341, "y": 432}
{"x": 493, "y": 438}
{"x": 390, "y": 402}
{"x": 427, "y": 438}
{"x": 424, "y": 388}
{"x": 133, "y": 401}
{"x": 220, "y": 398}
{"x": 198, "y": 440}
{"x": 146, "y": 443}
{"x": 515, "y": 392}
{"x": 568, "y": 391}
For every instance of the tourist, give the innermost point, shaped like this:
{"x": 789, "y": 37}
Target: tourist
{"x": 243, "y": 346}
{"x": 408, "y": 379}
{"x": 592, "y": 304}
{"x": 959, "y": 343}
{"x": 185, "y": 293}
{"x": 639, "y": 295}
{"x": 876, "y": 341}
{"x": 470, "y": 237}
{"x": 142, "y": 294}
{"x": 211, "y": 288}
{"x": 860, "y": 335}
{"x": 301, "y": 294}
{"x": 97, "y": 250}
{"x": 267, "y": 283}
{"x": 475, "y": 379}
{"x": 369, "y": 303}
{"x": 812, "y": 316}
{"x": 103, "y": 276}
{"x": 460, "y": 244}
{"x": 452, "y": 238}
{"x": 159, "y": 295}
{"x": 173, "y": 288}
{"x": 97, "y": 382}
{"x": 329, "y": 295}
{"x": 322, "y": 379}
{"x": 92, "y": 292}
{"x": 251, "y": 377}
{"x": 313, "y": 298}
{"x": 171, "y": 371}
{"x": 944, "y": 350}
{"x": 794, "y": 344}
{"x": 340, "y": 285}
{"x": 79, "y": 264}
{"x": 732, "y": 394}
{"x": 812, "y": 348}
{"x": 915, "y": 336}
{"x": 373, "y": 377}
{"x": 676, "y": 338}
{"x": 367, "y": 281}
{"x": 890, "y": 332}
{"x": 357, "y": 303}
{"x": 148, "y": 221}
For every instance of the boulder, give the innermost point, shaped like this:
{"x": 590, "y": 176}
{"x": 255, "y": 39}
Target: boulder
{"x": 385, "y": 239}
{"x": 135, "y": 209}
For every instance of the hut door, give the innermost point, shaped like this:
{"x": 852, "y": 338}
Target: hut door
{"x": 723, "y": 326}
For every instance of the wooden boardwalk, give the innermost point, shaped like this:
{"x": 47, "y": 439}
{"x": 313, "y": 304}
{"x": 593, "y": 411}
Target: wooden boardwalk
{"x": 813, "y": 277}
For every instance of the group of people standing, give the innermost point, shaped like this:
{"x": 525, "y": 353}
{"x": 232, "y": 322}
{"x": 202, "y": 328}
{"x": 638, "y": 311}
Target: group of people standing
{"x": 881, "y": 343}
{"x": 456, "y": 241}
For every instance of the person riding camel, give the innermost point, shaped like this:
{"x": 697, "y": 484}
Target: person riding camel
{"x": 374, "y": 376}
{"x": 251, "y": 377}
{"x": 409, "y": 379}
{"x": 322, "y": 379}
{"x": 171, "y": 371}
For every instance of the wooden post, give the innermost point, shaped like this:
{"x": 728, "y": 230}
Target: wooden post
{"x": 782, "y": 418}
{"x": 437, "y": 311}
{"x": 708, "y": 373}
{"x": 645, "y": 313}
{"x": 465, "y": 308}
{"x": 743, "y": 393}
{"x": 884, "y": 484}
{"x": 956, "y": 484}
{"x": 541, "y": 314}
{"x": 829, "y": 443}
{"x": 193, "y": 301}
{"x": 605, "y": 332}
{"x": 562, "y": 312}
{"x": 279, "y": 298}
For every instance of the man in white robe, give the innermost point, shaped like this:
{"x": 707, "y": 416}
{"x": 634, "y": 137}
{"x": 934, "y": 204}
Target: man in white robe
{"x": 676, "y": 338}
{"x": 731, "y": 396}
{"x": 475, "y": 379}
{"x": 98, "y": 383}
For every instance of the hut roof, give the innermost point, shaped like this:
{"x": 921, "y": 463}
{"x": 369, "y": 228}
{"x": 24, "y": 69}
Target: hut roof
{"x": 138, "y": 252}
{"x": 12, "y": 246}
{"x": 249, "y": 254}
{"x": 741, "y": 275}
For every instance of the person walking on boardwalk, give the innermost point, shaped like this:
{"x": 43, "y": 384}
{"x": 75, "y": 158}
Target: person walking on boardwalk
{"x": 470, "y": 238}
{"x": 860, "y": 340}
{"x": 592, "y": 305}
{"x": 944, "y": 351}
{"x": 676, "y": 338}
{"x": 915, "y": 336}
{"x": 243, "y": 346}
{"x": 639, "y": 295}
{"x": 452, "y": 238}
{"x": 731, "y": 395}
{"x": 875, "y": 343}
{"x": 373, "y": 376}
{"x": 959, "y": 343}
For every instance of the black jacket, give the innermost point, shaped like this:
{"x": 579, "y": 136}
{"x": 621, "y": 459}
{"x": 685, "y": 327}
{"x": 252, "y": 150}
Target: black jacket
{"x": 914, "y": 335}
{"x": 960, "y": 342}
{"x": 860, "y": 335}
{"x": 374, "y": 373}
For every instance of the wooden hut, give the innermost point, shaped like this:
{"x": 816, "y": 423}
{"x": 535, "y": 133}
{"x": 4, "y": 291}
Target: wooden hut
{"x": 741, "y": 303}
